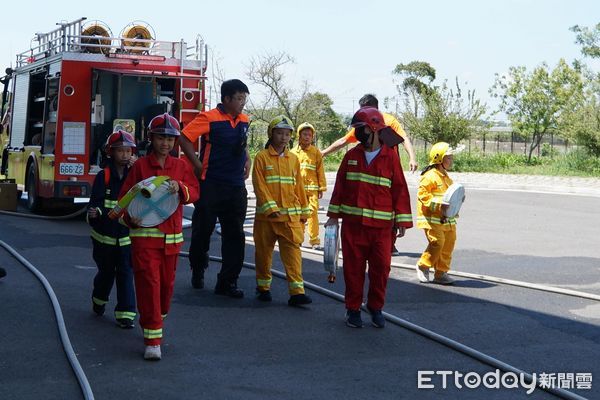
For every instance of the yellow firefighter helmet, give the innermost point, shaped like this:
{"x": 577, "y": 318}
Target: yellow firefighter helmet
{"x": 303, "y": 126}
{"x": 280, "y": 121}
{"x": 438, "y": 151}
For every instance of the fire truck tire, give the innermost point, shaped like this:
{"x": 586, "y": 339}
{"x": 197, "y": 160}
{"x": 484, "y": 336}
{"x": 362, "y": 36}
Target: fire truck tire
{"x": 34, "y": 202}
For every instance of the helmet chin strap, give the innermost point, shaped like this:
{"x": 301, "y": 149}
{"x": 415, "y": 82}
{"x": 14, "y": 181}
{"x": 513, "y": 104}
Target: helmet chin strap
{"x": 371, "y": 140}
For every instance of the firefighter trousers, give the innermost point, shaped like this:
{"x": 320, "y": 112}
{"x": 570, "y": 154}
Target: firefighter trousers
{"x": 154, "y": 274}
{"x": 289, "y": 236}
{"x": 229, "y": 204}
{"x": 114, "y": 265}
{"x": 313, "y": 219}
{"x": 438, "y": 253}
{"x": 361, "y": 245}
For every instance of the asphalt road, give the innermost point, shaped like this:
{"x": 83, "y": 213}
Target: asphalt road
{"x": 222, "y": 348}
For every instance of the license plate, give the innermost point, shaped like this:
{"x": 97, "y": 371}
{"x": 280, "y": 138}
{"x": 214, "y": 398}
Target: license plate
{"x": 70, "y": 169}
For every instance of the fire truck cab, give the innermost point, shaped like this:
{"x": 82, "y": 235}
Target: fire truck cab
{"x": 78, "y": 84}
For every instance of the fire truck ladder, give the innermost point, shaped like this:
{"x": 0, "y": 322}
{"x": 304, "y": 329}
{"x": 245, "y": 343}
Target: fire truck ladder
{"x": 200, "y": 55}
{"x": 51, "y": 43}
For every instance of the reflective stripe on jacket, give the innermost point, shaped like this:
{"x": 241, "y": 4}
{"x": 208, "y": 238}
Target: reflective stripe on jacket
{"x": 105, "y": 192}
{"x": 279, "y": 186}
{"x": 432, "y": 187}
{"x": 223, "y": 145}
{"x": 372, "y": 194}
{"x": 311, "y": 168}
{"x": 167, "y": 234}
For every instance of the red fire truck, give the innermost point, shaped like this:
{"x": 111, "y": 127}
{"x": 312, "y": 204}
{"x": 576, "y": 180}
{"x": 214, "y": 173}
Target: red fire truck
{"x": 75, "y": 85}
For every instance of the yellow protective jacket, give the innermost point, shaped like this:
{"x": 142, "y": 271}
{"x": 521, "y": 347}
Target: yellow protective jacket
{"x": 311, "y": 168}
{"x": 279, "y": 186}
{"x": 432, "y": 187}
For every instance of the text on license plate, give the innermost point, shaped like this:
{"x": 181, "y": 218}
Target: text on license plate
{"x": 70, "y": 169}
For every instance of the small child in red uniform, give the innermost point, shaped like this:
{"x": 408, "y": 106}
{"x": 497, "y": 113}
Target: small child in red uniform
{"x": 155, "y": 249}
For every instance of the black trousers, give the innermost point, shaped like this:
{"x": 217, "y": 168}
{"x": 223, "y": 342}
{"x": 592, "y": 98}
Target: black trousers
{"x": 114, "y": 264}
{"x": 228, "y": 204}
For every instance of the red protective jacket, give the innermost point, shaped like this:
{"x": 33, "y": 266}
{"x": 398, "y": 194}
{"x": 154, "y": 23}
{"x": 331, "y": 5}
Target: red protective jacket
{"x": 373, "y": 195}
{"x": 169, "y": 233}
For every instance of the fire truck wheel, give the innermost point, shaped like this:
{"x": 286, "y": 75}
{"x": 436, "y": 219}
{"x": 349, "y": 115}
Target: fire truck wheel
{"x": 34, "y": 202}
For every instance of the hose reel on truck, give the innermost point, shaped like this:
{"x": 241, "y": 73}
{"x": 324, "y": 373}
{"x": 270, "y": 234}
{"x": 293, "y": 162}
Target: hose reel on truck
{"x": 92, "y": 35}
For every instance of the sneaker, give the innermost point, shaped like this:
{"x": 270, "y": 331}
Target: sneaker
{"x": 98, "y": 309}
{"x": 422, "y": 274}
{"x": 318, "y": 247}
{"x": 395, "y": 252}
{"x": 229, "y": 289}
{"x": 198, "y": 277}
{"x": 125, "y": 323}
{"x": 152, "y": 353}
{"x": 264, "y": 295}
{"x": 2, "y": 272}
{"x": 353, "y": 319}
{"x": 443, "y": 279}
{"x": 299, "y": 300}
{"x": 377, "y": 318}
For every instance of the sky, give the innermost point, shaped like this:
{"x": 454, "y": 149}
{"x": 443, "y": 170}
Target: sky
{"x": 344, "y": 48}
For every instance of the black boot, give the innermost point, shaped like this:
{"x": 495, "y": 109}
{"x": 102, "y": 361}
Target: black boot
{"x": 299, "y": 300}
{"x": 228, "y": 289}
{"x": 197, "y": 277}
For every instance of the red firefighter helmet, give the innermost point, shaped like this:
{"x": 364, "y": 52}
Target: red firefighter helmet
{"x": 164, "y": 124}
{"x": 119, "y": 138}
{"x": 368, "y": 116}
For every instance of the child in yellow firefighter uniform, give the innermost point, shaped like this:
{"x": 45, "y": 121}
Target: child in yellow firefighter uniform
{"x": 110, "y": 240}
{"x": 281, "y": 210}
{"x": 155, "y": 249}
{"x": 313, "y": 174}
{"x": 439, "y": 230}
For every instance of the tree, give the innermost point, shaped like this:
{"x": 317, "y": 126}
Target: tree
{"x": 417, "y": 77}
{"x": 589, "y": 39}
{"x": 583, "y": 125}
{"x": 448, "y": 115}
{"x": 534, "y": 102}
{"x": 268, "y": 72}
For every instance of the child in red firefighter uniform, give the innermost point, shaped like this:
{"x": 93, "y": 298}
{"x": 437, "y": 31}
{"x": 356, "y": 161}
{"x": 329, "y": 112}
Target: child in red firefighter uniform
{"x": 439, "y": 230}
{"x": 110, "y": 240}
{"x": 155, "y": 250}
{"x": 313, "y": 174}
{"x": 371, "y": 196}
{"x": 281, "y": 210}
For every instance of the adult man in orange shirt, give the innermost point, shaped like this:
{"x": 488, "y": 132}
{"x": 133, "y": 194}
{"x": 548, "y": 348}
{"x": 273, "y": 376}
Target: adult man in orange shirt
{"x": 222, "y": 168}
{"x": 371, "y": 101}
